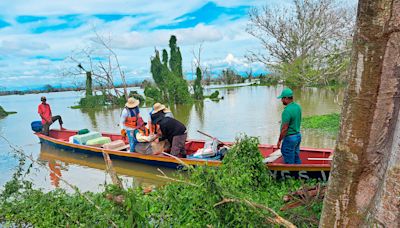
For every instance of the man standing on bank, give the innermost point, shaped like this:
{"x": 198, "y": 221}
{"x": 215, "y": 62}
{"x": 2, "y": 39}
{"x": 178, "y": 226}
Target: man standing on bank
{"x": 290, "y": 128}
{"x": 44, "y": 111}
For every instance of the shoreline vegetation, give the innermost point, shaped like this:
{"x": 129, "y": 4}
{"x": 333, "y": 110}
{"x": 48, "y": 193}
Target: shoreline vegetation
{"x": 239, "y": 193}
{"x": 329, "y": 123}
{"x": 4, "y": 113}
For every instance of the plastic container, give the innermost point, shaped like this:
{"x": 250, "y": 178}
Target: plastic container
{"x": 98, "y": 141}
{"x": 36, "y": 126}
{"x": 82, "y": 139}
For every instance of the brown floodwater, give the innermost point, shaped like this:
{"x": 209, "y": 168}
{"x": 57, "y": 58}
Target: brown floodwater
{"x": 251, "y": 110}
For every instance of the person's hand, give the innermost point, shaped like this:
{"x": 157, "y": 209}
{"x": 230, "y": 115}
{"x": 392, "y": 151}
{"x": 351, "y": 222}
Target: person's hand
{"x": 50, "y": 121}
{"x": 123, "y": 132}
{"x": 156, "y": 139}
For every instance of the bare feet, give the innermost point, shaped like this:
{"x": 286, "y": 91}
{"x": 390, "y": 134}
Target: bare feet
{"x": 62, "y": 129}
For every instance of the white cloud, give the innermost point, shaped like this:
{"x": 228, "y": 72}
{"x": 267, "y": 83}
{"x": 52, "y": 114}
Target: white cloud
{"x": 133, "y": 38}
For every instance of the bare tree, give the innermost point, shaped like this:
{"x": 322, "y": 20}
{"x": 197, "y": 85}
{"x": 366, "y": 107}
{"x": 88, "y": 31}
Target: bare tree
{"x": 103, "y": 63}
{"x": 309, "y": 40}
{"x": 364, "y": 188}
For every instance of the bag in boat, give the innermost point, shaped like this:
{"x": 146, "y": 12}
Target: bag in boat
{"x": 36, "y": 126}
{"x": 210, "y": 150}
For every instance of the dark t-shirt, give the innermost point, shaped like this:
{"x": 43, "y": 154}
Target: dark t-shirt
{"x": 171, "y": 127}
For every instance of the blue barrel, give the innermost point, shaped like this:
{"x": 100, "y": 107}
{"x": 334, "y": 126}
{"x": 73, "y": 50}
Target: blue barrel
{"x": 36, "y": 126}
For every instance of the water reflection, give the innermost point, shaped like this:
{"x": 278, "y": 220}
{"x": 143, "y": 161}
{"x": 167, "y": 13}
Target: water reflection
{"x": 72, "y": 166}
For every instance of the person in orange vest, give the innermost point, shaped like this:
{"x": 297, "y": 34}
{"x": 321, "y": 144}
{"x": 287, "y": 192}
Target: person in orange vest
{"x": 130, "y": 120}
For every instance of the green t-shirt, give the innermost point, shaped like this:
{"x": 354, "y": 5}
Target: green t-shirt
{"x": 292, "y": 115}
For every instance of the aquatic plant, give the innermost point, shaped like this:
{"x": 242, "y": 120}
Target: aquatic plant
{"x": 329, "y": 123}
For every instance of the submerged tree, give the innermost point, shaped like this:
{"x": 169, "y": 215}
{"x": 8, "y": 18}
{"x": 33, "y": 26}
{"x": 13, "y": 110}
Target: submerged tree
{"x": 364, "y": 185}
{"x": 198, "y": 89}
{"x": 169, "y": 81}
{"x": 175, "y": 61}
{"x": 305, "y": 44}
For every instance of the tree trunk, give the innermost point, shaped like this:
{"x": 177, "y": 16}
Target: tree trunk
{"x": 364, "y": 187}
{"x": 89, "y": 84}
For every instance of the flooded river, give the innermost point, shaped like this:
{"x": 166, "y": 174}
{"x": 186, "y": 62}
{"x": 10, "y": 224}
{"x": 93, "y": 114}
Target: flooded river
{"x": 253, "y": 110}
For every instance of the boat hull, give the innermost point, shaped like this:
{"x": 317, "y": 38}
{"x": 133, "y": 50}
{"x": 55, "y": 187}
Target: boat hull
{"x": 316, "y": 168}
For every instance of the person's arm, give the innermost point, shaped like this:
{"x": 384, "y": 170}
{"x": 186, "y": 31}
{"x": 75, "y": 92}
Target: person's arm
{"x": 284, "y": 128}
{"x": 283, "y": 133}
{"x": 143, "y": 138}
{"x": 122, "y": 119}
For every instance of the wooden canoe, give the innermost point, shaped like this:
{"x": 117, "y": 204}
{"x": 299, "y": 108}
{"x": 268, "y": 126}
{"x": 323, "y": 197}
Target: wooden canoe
{"x": 316, "y": 163}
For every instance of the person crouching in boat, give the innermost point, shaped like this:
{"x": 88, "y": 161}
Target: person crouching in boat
{"x": 172, "y": 130}
{"x": 164, "y": 112}
{"x": 143, "y": 140}
{"x": 130, "y": 120}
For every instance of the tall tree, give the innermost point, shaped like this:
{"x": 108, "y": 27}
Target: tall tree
{"x": 173, "y": 87}
{"x": 364, "y": 188}
{"x": 165, "y": 57}
{"x": 198, "y": 89}
{"x": 306, "y": 43}
{"x": 175, "y": 61}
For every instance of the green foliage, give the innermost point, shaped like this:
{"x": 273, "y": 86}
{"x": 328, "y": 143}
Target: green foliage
{"x": 153, "y": 93}
{"x": 229, "y": 76}
{"x": 49, "y": 88}
{"x": 243, "y": 164}
{"x": 135, "y": 95}
{"x": 93, "y": 101}
{"x": 175, "y": 61}
{"x": 3, "y": 112}
{"x": 268, "y": 79}
{"x": 165, "y": 57}
{"x": 169, "y": 81}
{"x": 195, "y": 200}
{"x": 329, "y": 123}
{"x": 214, "y": 95}
{"x": 197, "y": 87}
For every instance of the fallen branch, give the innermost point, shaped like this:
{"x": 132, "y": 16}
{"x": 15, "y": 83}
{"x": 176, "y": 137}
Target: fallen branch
{"x": 277, "y": 219}
{"x": 173, "y": 179}
{"x": 178, "y": 159}
{"x": 110, "y": 170}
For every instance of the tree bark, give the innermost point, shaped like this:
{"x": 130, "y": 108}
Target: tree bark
{"x": 364, "y": 187}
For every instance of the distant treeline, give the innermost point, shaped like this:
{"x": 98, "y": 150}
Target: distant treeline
{"x": 50, "y": 89}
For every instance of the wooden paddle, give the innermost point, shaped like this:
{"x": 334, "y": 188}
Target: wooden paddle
{"x": 212, "y": 137}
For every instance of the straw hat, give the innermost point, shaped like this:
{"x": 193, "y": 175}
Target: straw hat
{"x": 158, "y": 107}
{"x": 132, "y": 102}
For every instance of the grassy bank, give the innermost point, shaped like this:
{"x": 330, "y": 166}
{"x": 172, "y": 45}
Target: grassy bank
{"x": 4, "y": 113}
{"x": 239, "y": 193}
{"x": 329, "y": 123}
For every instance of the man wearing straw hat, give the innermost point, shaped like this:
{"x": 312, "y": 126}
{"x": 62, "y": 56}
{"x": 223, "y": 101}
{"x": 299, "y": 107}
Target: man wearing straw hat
{"x": 290, "y": 128}
{"x": 170, "y": 129}
{"x": 130, "y": 120}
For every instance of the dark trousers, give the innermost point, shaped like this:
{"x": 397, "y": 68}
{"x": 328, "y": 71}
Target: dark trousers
{"x": 46, "y": 126}
{"x": 178, "y": 145}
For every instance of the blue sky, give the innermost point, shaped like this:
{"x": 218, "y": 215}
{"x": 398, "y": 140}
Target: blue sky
{"x": 37, "y": 37}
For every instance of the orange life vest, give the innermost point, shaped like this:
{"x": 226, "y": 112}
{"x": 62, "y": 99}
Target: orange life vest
{"x": 132, "y": 120}
{"x": 145, "y": 132}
